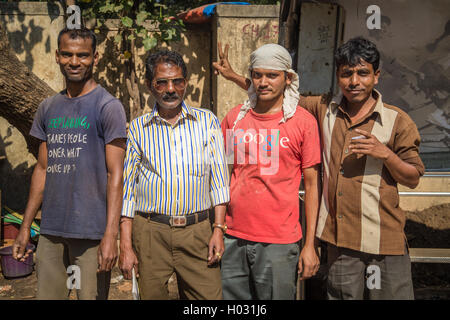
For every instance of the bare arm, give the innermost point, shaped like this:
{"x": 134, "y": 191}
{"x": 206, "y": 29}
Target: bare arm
{"x": 34, "y": 202}
{"x": 224, "y": 68}
{"x": 107, "y": 253}
{"x": 127, "y": 259}
{"x": 219, "y": 189}
{"x": 216, "y": 246}
{"x": 309, "y": 261}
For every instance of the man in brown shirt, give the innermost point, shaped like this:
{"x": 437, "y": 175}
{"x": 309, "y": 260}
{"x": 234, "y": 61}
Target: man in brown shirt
{"x": 368, "y": 147}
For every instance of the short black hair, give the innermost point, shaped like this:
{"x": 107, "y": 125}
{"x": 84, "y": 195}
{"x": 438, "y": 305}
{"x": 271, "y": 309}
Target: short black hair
{"x": 160, "y": 57}
{"x": 83, "y": 33}
{"x": 355, "y": 50}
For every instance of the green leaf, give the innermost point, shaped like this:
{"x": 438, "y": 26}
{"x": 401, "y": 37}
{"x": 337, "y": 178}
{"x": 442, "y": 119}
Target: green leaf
{"x": 171, "y": 32}
{"x": 117, "y": 38}
{"x": 149, "y": 43}
{"x": 102, "y": 9}
{"x": 118, "y": 8}
{"x": 141, "y": 16}
{"x": 131, "y": 37}
{"x": 127, "y": 22}
{"x": 142, "y": 6}
{"x": 108, "y": 7}
{"x": 141, "y": 31}
{"x": 130, "y": 3}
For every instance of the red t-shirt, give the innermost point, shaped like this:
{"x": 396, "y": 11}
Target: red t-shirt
{"x": 268, "y": 160}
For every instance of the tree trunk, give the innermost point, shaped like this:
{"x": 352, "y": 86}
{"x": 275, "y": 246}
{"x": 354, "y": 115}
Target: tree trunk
{"x": 21, "y": 92}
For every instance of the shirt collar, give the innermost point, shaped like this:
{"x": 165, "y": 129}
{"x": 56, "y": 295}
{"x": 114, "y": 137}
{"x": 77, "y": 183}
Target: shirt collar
{"x": 336, "y": 101}
{"x": 186, "y": 111}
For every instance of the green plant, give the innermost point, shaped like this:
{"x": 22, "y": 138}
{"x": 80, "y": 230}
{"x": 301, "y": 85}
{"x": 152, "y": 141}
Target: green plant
{"x": 136, "y": 16}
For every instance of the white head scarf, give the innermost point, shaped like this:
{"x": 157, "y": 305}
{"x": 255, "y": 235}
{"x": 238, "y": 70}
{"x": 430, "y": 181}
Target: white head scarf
{"x": 274, "y": 57}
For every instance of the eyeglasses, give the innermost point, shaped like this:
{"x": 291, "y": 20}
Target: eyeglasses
{"x": 162, "y": 84}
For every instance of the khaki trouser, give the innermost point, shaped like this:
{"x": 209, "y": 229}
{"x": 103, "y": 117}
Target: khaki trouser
{"x": 162, "y": 250}
{"x": 53, "y": 257}
{"x": 355, "y": 275}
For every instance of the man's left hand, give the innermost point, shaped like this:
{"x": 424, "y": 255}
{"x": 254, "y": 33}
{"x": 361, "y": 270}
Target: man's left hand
{"x": 216, "y": 247}
{"x": 107, "y": 253}
{"x": 369, "y": 145}
{"x": 308, "y": 262}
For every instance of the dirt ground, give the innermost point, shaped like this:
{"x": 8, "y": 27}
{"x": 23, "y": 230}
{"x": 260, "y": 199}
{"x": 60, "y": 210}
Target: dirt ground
{"x": 429, "y": 228}
{"x": 25, "y": 288}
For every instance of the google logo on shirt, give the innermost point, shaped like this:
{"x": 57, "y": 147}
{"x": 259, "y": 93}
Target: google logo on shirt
{"x": 266, "y": 141}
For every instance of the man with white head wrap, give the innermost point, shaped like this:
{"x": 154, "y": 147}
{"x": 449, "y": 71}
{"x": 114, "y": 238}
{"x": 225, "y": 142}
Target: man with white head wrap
{"x": 271, "y": 141}
{"x": 273, "y": 57}
{"x": 369, "y": 147}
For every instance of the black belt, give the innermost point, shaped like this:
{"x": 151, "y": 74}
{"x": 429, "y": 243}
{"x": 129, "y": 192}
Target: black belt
{"x": 175, "y": 221}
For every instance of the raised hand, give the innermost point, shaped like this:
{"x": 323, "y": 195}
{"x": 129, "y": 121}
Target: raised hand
{"x": 223, "y": 66}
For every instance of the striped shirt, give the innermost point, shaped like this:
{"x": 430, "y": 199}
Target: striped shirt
{"x": 175, "y": 169}
{"x": 360, "y": 202}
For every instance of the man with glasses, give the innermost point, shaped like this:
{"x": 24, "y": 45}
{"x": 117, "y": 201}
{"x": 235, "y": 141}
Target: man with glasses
{"x": 175, "y": 171}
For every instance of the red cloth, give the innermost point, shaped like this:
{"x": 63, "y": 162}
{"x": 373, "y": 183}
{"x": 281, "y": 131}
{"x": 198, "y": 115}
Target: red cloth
{"x": 264, "y": 204}
{"x": 194, "y": 15}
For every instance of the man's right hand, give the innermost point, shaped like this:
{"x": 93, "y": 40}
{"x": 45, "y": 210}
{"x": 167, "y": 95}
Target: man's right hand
{"x": 223, "y": 65}
{"x": 224, "y": 68}
{"x": 128, "y": 261}
{"x": 19, "y": 249}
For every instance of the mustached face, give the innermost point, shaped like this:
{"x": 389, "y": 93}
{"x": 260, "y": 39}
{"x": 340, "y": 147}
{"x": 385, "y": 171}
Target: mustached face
{"x": 168, "y": 85}
{"x": 269, "y": 84}
{"x": 357, "y": 82}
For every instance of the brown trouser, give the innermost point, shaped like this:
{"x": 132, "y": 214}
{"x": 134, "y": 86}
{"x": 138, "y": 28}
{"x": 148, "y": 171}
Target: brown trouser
{"x": 162, "y": 250}
{"x": 54, "y": 255}
{"x": 358, "y": 275}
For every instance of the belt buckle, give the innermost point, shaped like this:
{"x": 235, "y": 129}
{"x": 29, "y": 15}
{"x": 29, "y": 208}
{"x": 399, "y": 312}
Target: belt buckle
{"x": 178, "y": 221}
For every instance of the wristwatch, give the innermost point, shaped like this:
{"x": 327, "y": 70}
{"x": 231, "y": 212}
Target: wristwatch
{"x": 222, "y": 227}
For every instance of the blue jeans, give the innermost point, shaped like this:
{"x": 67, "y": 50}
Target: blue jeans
{"x": 259, "y": 271}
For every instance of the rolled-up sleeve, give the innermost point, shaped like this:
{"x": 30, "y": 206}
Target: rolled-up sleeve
{"x": 407, "y": 142}
{"x": 219, "y": 178}
{"x": 130, "y": 172}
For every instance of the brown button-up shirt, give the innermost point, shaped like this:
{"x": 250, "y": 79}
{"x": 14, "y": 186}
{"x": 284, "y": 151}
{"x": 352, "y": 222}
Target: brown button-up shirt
{"x": 360, "y": 202}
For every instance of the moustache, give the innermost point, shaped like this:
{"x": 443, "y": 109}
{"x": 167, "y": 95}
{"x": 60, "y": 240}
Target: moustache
{"x": 169, "y": 96}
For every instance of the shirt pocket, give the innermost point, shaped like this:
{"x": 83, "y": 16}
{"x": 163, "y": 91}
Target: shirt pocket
{"x": 197, "y": 158}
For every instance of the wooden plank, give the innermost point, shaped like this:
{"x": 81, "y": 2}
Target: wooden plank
{"x": 429, "y": 255}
